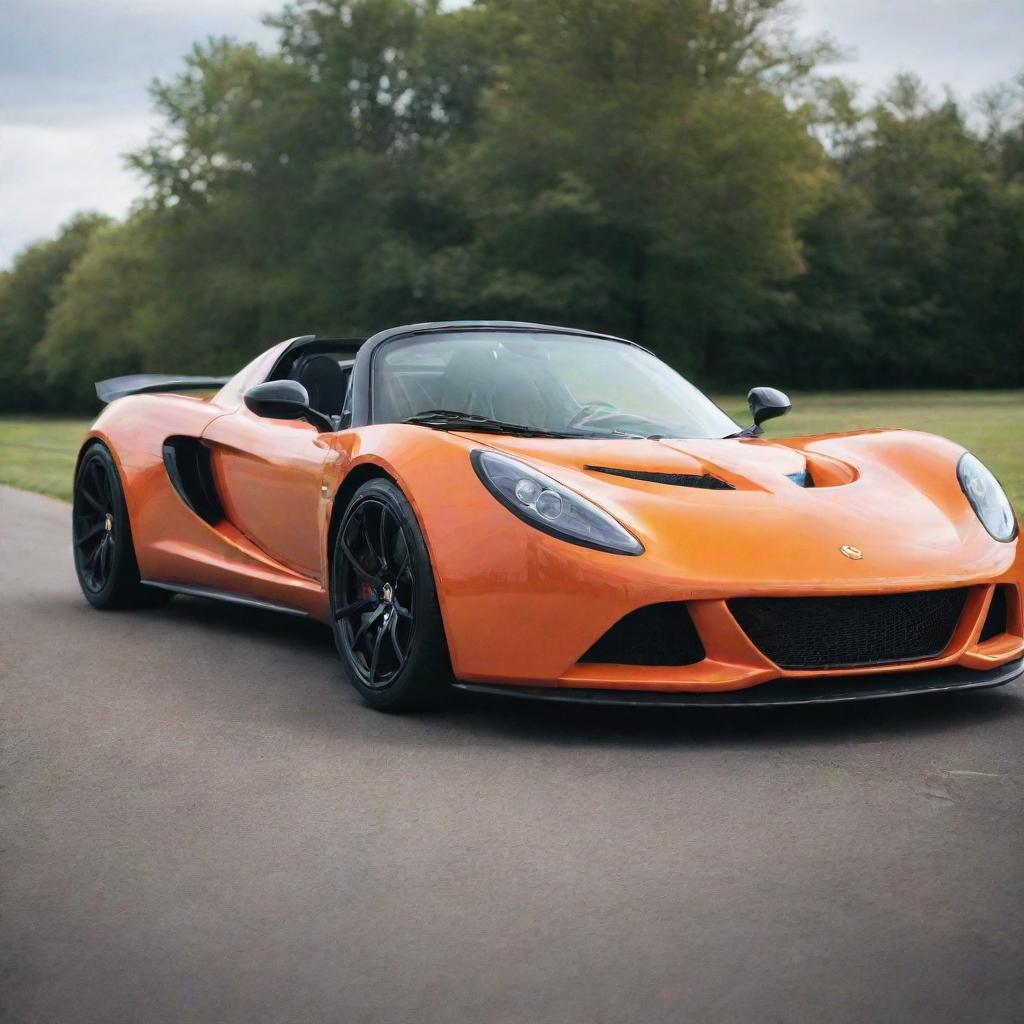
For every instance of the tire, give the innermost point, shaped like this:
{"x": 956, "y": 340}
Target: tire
{"x": 387, "y": 621}
{"x": 101, "y": 537}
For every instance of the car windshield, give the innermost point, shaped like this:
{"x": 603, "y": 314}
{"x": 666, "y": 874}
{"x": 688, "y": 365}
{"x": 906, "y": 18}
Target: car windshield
{"x": 539, "y": 381}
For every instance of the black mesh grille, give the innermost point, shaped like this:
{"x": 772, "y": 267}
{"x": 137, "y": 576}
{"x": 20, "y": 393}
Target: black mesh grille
{"x": 995, "y": 621}
{"x": 843, "y": 632}
{"x": 660, "y": 634}
{"x": 706, "y": 482}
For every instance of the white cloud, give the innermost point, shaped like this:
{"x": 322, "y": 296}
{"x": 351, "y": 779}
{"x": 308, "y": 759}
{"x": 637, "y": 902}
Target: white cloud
{"x": 49, "y": 173}
{"x": 969, "y": 45}
{"x": 73, "y": 78}
{"x": 73, "y": 98}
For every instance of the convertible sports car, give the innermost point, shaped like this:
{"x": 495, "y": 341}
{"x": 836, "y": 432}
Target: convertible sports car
{"x": 551, "y": 513}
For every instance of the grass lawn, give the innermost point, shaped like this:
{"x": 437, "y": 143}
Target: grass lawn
{"x": 39, "y": 454}
{"x": 988, "y": 423}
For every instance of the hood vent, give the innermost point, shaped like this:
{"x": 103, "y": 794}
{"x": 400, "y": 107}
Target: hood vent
{"x": 705, "y": 482}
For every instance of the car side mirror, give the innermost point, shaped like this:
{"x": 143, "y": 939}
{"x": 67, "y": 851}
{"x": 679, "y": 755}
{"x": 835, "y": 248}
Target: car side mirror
{"x": 285, "y": 400}
{"x": 767, "y": 404}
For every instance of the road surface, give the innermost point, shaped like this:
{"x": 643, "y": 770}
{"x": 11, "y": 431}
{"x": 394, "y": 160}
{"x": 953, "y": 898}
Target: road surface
{"x": 200, "y": 822}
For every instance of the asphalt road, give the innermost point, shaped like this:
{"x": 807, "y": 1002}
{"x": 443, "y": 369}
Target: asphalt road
{"x": 201, "y": 822}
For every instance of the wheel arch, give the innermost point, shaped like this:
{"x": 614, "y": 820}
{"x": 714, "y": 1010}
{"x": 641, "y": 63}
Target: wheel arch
{"x": 93, "y": 437}
{"x": 360, "y": 474}
{"x": 433, "y": 471}
{"x": 125, "y": 475}
{"x": 354, "y": 479}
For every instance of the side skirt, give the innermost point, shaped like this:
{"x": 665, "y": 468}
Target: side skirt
{"x": 224, "y": 595}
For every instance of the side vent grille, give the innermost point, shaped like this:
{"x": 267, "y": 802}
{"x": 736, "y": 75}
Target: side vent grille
{"x": 187, "y": 461}
{"x": 660, "y": 634}
{"x": 705, "y": 482}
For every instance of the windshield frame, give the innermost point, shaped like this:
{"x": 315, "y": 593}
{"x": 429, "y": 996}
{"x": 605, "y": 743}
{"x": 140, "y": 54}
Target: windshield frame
{"x": 380, "y": 343}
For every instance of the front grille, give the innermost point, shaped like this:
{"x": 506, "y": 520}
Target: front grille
{"x": 660, "y": 634}
{"x": 845, "y": 632}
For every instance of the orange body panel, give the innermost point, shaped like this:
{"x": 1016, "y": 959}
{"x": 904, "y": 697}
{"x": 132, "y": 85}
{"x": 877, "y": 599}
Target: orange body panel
{"x": 520, "y": 606}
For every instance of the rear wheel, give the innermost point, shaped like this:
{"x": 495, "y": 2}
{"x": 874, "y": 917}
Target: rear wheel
{"x": 387, "y": 624}
{"x": 102, "y": 538}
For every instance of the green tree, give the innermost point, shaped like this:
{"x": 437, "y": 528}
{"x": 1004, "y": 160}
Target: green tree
{"x": 96, "y": 326}
{"x": 914, "y": 256}
{"x": 639, "y": 169}
{"x": 300, "y": 190}
{"x": 27, "y": 293}
{"x": 672, "y": 170}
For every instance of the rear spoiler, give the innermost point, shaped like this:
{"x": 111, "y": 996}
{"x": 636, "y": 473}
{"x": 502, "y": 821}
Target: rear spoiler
{"x": 142, "y": 383}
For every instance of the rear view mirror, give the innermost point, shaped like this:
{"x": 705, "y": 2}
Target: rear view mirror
{"x": 767, "y": 404}
{"x": 284, "y": 400}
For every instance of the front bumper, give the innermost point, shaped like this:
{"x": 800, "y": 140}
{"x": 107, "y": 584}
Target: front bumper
{"x": 828, "y": 689}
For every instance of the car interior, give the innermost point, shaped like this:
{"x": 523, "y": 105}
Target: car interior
{"x": 475, "y": 380}
{"x": 513, "y": 380}
{"x": 328, "y": 382}
{"x": 521, "y": 390}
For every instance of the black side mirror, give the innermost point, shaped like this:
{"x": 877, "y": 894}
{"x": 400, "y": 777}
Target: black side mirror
{"x": 767, "y": 404}
{"x": 285, "y": 400}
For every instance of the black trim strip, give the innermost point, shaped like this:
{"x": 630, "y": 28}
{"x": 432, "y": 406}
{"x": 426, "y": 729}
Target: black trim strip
{"x": 225, "y": 595}
{"x": 819, "y": 690}
{"x": 704, "y": 481}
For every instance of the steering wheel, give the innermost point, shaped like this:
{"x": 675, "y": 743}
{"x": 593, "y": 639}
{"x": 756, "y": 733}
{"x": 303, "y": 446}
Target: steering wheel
{"x": 588, "y": 409}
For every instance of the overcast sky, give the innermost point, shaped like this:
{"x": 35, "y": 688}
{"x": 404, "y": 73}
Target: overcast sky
{"x": 73, "y": 78}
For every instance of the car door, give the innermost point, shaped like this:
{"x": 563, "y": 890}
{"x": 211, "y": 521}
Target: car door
{"x": 268, "y": 474}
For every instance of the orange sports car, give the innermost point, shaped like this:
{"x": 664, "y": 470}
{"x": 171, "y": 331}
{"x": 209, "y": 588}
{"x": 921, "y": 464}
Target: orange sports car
{"x": 551, "y": 513}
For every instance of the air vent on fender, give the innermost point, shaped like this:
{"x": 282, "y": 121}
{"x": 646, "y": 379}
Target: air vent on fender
{"x": 705, "y": 482}
{"x": 187, "y": 461}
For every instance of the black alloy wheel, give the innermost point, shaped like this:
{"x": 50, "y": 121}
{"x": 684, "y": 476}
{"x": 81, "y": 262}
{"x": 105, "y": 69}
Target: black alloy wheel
{"x": 94, "y": 526}
{"x": 387, "y": 621}
{"x": 102, "y": 539}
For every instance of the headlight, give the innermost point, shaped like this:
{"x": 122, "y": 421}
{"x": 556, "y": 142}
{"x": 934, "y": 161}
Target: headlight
{"x": 987, "y": 498}
{"x": 547, "y": 505}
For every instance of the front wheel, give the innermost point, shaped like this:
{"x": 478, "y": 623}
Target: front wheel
{"x": 102, "y": 537}
{"x": 387, "y": 622}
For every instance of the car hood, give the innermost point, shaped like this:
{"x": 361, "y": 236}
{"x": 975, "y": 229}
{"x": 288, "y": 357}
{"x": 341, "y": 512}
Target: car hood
{"x": 784, "y": 514}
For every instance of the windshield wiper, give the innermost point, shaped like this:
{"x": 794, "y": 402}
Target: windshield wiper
{"x": 449, "y": 419}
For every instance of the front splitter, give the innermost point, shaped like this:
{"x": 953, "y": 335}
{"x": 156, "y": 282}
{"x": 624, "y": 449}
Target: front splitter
{"x": 817, "y": 690}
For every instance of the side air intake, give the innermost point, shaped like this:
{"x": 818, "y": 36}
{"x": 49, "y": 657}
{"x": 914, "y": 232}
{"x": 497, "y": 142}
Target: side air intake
{"x": 996, "y": 621}
{"x": 659, "y": 634}
{"x": 187, "y": 461}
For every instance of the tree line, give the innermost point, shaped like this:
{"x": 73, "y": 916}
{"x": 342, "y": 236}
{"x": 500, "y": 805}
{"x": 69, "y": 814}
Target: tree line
{"x": 681, "y": 172}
